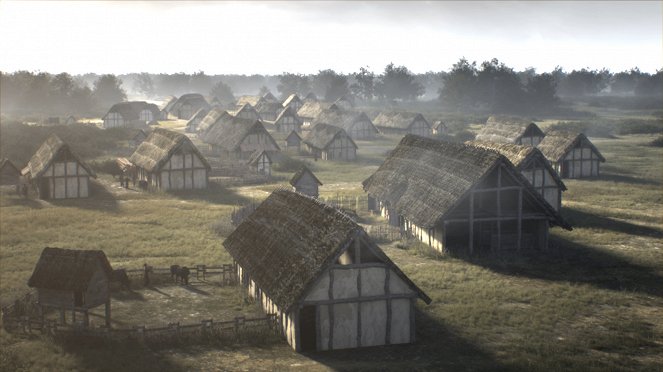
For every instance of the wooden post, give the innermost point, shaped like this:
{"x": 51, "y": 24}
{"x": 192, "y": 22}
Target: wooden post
{"x": 86, "y": 319}
{"x": 444, "y": 236}
{"x": 62, "y": 317}
{"x": 499, "y": 208}
{"x": 108, "y": 313}
{"x": 472, "y": 222}
{"x": 520, "y": 218}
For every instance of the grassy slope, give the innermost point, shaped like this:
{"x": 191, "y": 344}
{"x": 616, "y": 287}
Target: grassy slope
{"x": 594, "y": 303}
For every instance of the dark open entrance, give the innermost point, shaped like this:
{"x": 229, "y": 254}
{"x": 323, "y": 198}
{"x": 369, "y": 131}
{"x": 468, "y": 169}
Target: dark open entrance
{"x": 44, "y": 188}
{"x": 78, "y": 298}
{"x": 307, "y": 328}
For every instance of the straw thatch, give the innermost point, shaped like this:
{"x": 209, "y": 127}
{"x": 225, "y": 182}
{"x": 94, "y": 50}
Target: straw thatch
{"x": 195, "y": 100}
{"x": 520, "y": 156}
{"x": 9, "y": 173}
{"x": 398, "y": 120}
{"x": 288, "y": 111}
{"x": 229, "y": 132}
{"x": 507, "y": 129}
{"x": 131, "y": 110}
{"x": 168, "y": 103}
{"x": 214, "y": 115}
{"x": 289, "y": 241}
{"x": 322, "y": 135}
{"x": 293, "y": 98}
{"x": 425, "y": 179}
{"x": 198, "y": 115}
{"x": 557, "y": 143}
{"x": 269, "y": 97}
{"x": 241, "y": 110}
{"x": 159, "y": 146}
{"x": 300, "y": 173}
{"x": 311, "y": 109}
{"x": 251, "y": 100}
{"x": 269, "y": 107}
{"x": 343, "y": 119}
{"x": 68, "y": 269}
{"x": 47, "y": 153}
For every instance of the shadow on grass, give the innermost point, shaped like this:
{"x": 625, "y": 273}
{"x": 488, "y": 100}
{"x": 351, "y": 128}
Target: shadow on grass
{"x": 127, "y": 296}
{"x": 20, "y": 201}
{"x": 215, "y": 193}
{"x": 157, "y": 290}
{"x": 568, "y": 261}
{"x": 579, "y": 218}
{"x": 436, "y": 348}
{"x": 624, "y": 179}
{"x": 195, "y": 290}
{"x": 100, "y": 199}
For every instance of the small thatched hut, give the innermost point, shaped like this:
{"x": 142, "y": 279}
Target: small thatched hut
{"x": 261, "y": 162}
{"x": 345, "y": 102}
{"x": 130, "y": 114}
{"x": 70, "y": 120}
{"x": 329, "y": 142}
{"x": 168, "y": 160}
{"x": 310, "y": 110}
{"x": 293, "y": 101}
{"x": 269, "y": 97}
{"x": 187, "y": 105}
{"x": 238, "y": 138}
{"x": 251, "y": 100}
{"x": 533, "y": 165}
{"x": 56, "y": 172}
{"x": 356, "y": 124}
{"x": 293, "y": 142}
{"x": 9, "y": 174}
{"x": 572, "y": 154}
{"x": 165, "y": 108}
{"x": 287, "y": 121}
{"x": 507, "y": 129}
{"x": 74, "y": 280}
{"x": 194, "y": 122}
{"x": 329, "y": 284}
{"x": 439, "y": 127}
{"x": 269, "y": 110}
{"x": 459, "y": 197}
{"x": 305, "y": 182}
{"x": 403, "y": 123}
{"x": 246, "y": 111}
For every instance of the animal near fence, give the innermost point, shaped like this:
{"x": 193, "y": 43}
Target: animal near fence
{"x": 221, "y": 275}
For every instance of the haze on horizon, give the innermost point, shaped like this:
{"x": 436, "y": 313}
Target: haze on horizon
{"x": 304, "y": 37}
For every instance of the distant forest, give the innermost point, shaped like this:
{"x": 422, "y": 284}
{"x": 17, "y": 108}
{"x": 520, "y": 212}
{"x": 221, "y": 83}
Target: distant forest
{"x": 468, "y": 86}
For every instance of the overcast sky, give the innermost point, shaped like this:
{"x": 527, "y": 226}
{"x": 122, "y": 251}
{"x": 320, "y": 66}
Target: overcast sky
{"x": 304, "y": 37}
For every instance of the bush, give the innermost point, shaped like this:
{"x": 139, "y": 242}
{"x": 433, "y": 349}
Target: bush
{"x": 640, "y": 126}
{"x": 589, "y": 128}
{"x": 108, "y": 166}
{"x": 289, "y": 164}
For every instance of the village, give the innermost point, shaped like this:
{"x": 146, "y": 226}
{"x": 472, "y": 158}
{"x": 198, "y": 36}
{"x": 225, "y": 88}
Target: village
{"x": 324, "y": 186}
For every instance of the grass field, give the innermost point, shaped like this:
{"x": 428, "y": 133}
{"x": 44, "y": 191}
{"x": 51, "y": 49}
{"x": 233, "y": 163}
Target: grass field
{"x": 593, "y": 303}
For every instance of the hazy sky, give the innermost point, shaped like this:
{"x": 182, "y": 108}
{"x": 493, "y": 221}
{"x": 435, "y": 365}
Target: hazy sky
{"x": 304, "y": 37}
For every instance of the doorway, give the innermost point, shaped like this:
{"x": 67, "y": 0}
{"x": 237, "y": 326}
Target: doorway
{"x": 307, "y": 328}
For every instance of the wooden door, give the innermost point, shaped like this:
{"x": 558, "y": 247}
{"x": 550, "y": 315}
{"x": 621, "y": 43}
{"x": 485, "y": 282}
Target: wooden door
{"x": 307, "y": 328}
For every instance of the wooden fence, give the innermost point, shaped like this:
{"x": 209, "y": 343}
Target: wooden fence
{"x": 220, "y": 275}
{"x": 382, "y": 233}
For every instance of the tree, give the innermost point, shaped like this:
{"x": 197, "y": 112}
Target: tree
{"x": 199, "y": 82}
{"x": 498, "y": 86}
{"x": 542, "y": 92}
{"x": 397, "y": 82}
{"x": 293, "y": 83}
{"x": 650, "y": 85}
{"x": 363, "y": 87}
{"x": 143, "y": 84}
{"x": 263, "y": 90}
{"x": 331, "y": 85}
{"x": 108, "y": 90}
{"x": 584, "y": 82}
{"x": 625, "y": 81}
{"x": 460, "y": 84}
{"x": 223, "y": 92}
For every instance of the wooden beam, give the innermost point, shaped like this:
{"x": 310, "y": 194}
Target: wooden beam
{"x": 359, "y": 299}
{"x": 471, "y": 222}
{"x": 499, "y": 208}
{"x": 507, "y": 188}
{"x": 520, "y": 219}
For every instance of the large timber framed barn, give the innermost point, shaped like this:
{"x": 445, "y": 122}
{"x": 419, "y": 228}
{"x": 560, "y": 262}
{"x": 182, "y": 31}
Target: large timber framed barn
{"x": 572, "y": 154}
{"x": 238, "y": 138}
{"x": 187, "y": 105}
{"x": 329, "y": 142}
{"x": 329, "y": 284}
{"x": 167, "y": 160}
{"x": 534, "y": 166}
{"x": 403, "y": 123}
{"x": 460, "y": 198}
{"x": 507, "y": 129}
{"x": 56, "y": 172}
{"x": 356, "y": 124}
{"x": 130, "y": 114}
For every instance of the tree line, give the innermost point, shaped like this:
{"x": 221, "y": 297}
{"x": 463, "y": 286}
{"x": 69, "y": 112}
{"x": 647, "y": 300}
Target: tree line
{"x": 489, "y": 86}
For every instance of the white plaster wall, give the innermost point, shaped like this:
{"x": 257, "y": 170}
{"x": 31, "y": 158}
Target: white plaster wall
{"x": 72, "y": 166}
{"x": 83, "y": 192}
{"x": 59, "y": 169}
{"x": 58, "y": 189}
{"x": 199, "y": 178}
{"x": 373, "y": 323}
{"x": 72, "y": 187}
{"x": 345, "y": 325}
{"x": 372, "y": 281}
{"x": 345, "y": 283}
{"x": 400, "y": 321}
{"x": 397, "y": 285}
{"x": 165, "y": 184}
{"x": 320, "y": 290}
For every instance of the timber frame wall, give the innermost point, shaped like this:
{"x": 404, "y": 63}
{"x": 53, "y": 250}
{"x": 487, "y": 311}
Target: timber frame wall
{"x": 154, "y": 179}
{"x": 57, "y": 176}
{"x": 574, "y": 163}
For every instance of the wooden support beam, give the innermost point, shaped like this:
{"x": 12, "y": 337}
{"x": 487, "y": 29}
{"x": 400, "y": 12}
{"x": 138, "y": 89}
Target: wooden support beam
{"x": 499, "y": 208}
{"x": 471, "y": 222}
{"x": 520, "y": 219}
{"x": 108, "y": 313}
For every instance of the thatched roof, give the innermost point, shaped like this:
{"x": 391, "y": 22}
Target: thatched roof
{"x": 229, "y": 132}
{"x": 47, "y": 153}
{"x": 240, "y": 109}
{"x": 159, "y": 146}
{"x": 425, "y": 179}
{"x": 269, "y": 97}
{"x": 300, "y": 173}
{"x": 131, "y": 110}
{"x": 342, "y": 119}
{"x": 398, "y": 119}
{"x": 291, "y": 99}
{"x": 557, "y": 143}
{"x": 322, "y": 135}
{"x": 507, "y": 129}
{"x": 198, "y": 115}
{"x": 439, "y": 125}
{"x": 294, "y": 133}
{"x": 168, "y": 103}
{"x": 140, "y": 135}
{"x": 68, "y": 269}
{"x": 311, "y": 109}
{"x": 265, "y": 106}
{"x": 214, "y": 115}
{"x": 288, "y": 111}
{"x": 4, "y": 162}
{"x": 194, "y": 100}
{"x": 289, "y": 241}
{"x": 311, "y": 97}
{"x": 346, "y": 102}
{"x": 251, "y": 100}
{"x": 519, "y": 156}
{"x": 256, "y": 155}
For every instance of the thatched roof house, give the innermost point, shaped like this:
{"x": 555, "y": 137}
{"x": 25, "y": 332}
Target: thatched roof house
{"x": 187, "y": 105}
{"x": 329, "y": 142}
{"x": 572, "y": 154}
{"x": 288, "y": 120}
{"x": 508, "y": 129}
{"x": 238, "y": 137}
{"x": 9, "y": 174}
{"x": 439, "y": 127}
{"x": 346, "y": 102}
{"x": 302, "y": 260}
{"x": 293, "y": 141}
{"x": 399, "y": 122}
{"x": 215, "y": 114}
{"x": 72, "y": 279}
{"x": 443, "y": 193}
{"x": 269, "y": 97}
{"x": 533, "y": 165}
{"x": 269, "y": 110}
{"x": 130, "y": 114}
{"x": 261, "y": 161}
{"x": 251, "y": 100}
{"x": 356, "y": 124}
{"x": 165, "y": 108}
{"x": 168, "y": 160}
{"x": 312, "y": 109}
{"x": 196, "y": 118}
{"x": 305, "y": 182}
{"x": 56, "y": 172}
{"x": 246, "y": 111}
{"x": 293, "y": 101}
